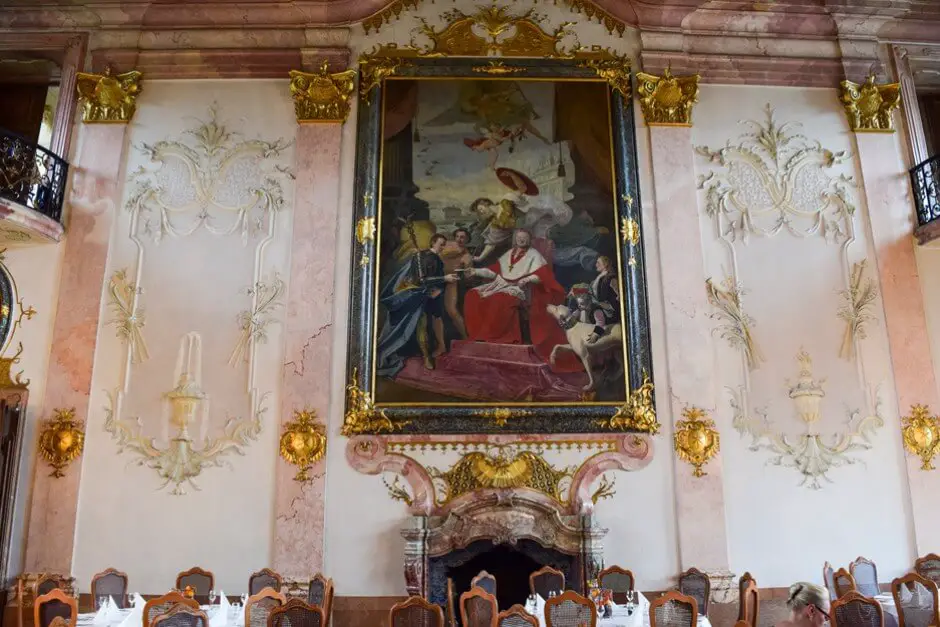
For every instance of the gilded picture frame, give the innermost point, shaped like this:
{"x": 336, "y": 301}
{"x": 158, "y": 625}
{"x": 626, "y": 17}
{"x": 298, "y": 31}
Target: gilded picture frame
{"x": 367, "y": 413}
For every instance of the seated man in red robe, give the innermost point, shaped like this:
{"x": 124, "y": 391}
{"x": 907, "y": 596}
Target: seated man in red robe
{"x": 521, "y": 278}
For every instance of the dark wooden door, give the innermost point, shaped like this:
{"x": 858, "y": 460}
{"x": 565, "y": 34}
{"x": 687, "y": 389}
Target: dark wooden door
{"x": 21, "y": 108}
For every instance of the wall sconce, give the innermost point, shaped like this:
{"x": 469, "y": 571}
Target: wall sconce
{"x": 61, "y": 441}
{"x": 696, "y": 440}
{"x": 921, "y": 433}
{"x": 303, "y": 442}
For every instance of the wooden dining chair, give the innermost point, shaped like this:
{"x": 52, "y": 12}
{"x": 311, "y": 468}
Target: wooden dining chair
{"x": 162, "y": 604}
{"x": 264, "y": 578}
{"x": 749, "y": 604}
{"x": 478, "y": 608}
{"x": 181, "y": 615}
{"x": 201, "y": 581}
{"x": 415, "y": 611}
{"x": 915, "y": 605}
{"x": 516, "y": 616}
{"x": 928, "y": 567}
{"x": 27, "y": 593}
{"x": 546, "y": 580}
{"x": 844, "y": 583}
{"x": 829, "y": 579}
{"x": 865, "y": 574}
{"x": 55, "y": 604}
{"x": 451, "y": 604}
{"x": 570, "y": 609}
{"x": 696, "y": 584}
{"x": 320, "y": 593}
{"x": 258, "y": 607}
{"x": 297, "y": 613}
{"x": 484, "y": 580}
{"x": 674, "y": 609}
{"x": 110, "y": 583}
{"x": 618, "y": 580}
{"x": 853, "y": 609}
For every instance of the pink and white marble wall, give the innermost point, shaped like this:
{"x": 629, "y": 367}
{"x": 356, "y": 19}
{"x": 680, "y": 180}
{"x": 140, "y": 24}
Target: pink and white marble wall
{"x": 95, "y": 197}
{"x": 298, "y": 543}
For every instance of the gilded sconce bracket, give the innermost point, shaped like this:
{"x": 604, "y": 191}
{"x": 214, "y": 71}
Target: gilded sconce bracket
{"x": 638, "y": 414}
{"x": 322, "y": 96}
{"x": 868, "y": 106}
{"x": 61, "y": 441}
{"x": 303, "y": 442}
{"x": 108, "y": 98}
{"x": 667, "y": 100}
{"x": 696, "y": 440}
{"x": 921, "y": 433}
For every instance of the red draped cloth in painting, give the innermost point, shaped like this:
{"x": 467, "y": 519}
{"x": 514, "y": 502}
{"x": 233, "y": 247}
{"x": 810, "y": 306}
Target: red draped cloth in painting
{"x": 491, "y": 311}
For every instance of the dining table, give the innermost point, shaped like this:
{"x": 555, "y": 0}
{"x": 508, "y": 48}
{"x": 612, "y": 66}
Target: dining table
{"x": 128, "y": 617}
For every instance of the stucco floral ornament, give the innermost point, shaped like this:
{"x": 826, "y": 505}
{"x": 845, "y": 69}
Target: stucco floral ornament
{"x": 303, "y": 442}
{"x": 696, "y": 440}
{"x": 61, "y": 441}
{"x": 921, "y": 433}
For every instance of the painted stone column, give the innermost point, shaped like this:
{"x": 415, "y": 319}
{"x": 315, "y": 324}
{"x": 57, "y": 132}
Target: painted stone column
{"x": 298, "y": 534}
{"x": 890, "y": 210}
{"x": 700, "y": 503}
{"x": 94, "y": 199}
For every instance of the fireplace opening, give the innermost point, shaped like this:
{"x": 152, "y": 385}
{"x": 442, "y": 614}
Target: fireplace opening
{"x": 510, "y": 567}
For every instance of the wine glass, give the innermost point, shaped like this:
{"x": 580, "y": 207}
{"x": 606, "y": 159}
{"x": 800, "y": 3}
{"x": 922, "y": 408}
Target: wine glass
{"x": 212, "y": 596}
{"x": 244, "y": 599}
{"x": 532, "y": 604}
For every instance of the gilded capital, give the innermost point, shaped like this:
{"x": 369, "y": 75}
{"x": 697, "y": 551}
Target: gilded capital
{"x": 108, "y": 98}
{"x": 322, "y": 96}
{"x": 667, "y": 100}
{"x": 869, "y": 106}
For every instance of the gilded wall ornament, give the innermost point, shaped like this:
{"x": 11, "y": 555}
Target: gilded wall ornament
{"x": 361, "y": 414}
{"x": 108, "y": 98}
{"x": 855, "y": 311}
{"x": 735, "y": 325}
{"x": 12, "y": 312}
{"x": 254, "y": 322}
{"x": 498, "y": 68}
{"x": 501, "y": 415}
{"x": 638, "y": 414}
{"x": 869, "y": 106}
{"x": 61, "y": 440}
{"x": 501, "y": 468}
{"x": 7, "y": 378}
{"x": 129, "y": 315}
{"x": 322, "y": 96}
{"x": 667, "y": 100}
{"x": 303, "y": 442}
{"x": 812, "y": 454}
{"x": 773, "y": 180}
{"x": 696, "y": 440}
{"x": 630, "y": 231}
{"x": 605, "y": 489}
{"x": 921, "y": 433}
{"x": 179, "y": 462}
{"x": 365, "y": 230}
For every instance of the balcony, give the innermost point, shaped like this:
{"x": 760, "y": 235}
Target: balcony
{"x": 32, "y": 190}
{"x": 925, "y": 181}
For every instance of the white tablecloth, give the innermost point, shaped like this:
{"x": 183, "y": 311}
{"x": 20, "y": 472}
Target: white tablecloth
{"x": 622, "y": 619}
{"x": 236, "y": 616}
{"x": 913, "y": 616}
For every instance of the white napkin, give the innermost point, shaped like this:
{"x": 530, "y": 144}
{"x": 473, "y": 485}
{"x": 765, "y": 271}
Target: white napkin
{"x": 220, "y": 618}
{"x": 922, "y": 596}
{"x": 101, "y": 616}
{"x": 136, "y": 615}
{"x": 114, "y": 612}
{"x": 905, "y": 595}
{"x": 138, "y": 601}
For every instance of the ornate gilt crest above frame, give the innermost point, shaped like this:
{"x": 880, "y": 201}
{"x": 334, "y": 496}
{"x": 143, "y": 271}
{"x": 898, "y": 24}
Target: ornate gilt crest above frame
{"x": 491, "y": 123}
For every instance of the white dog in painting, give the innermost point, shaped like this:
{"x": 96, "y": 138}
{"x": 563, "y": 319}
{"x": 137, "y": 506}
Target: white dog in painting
{"x": 579, "y": 345}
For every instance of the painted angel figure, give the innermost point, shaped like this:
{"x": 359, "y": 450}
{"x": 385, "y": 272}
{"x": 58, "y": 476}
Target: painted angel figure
{"x": 499, "y": 112}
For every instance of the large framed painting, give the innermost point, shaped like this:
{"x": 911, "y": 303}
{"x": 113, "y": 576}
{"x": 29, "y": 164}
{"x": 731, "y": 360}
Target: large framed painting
{"x": 498, "y": 270}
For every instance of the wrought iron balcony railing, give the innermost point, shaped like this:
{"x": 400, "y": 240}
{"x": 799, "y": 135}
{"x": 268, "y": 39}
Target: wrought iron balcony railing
{"x": 925, "y": 180}
{"x": 31, "y": 175}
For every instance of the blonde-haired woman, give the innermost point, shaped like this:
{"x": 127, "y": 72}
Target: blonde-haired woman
{"x": 808, "y": 604}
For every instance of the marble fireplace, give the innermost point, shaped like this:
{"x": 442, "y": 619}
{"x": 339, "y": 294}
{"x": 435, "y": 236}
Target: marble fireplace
{"x": 509, "y": 533}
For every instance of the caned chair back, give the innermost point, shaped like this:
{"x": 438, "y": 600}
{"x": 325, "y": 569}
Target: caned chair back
{"x": 829, "y": 577}
{"x": 749, "y": 609}
{"x": 546, "y": 580}
{"x": 54, "y": 604}
{"x": 259, "y": 606}
{"x": 484, "y": 580}
{"x": 618, "y": 580}
{"x": 844, "y": 582}
{"x": 478, "y": 608}
{"x": 516, "y": 616}
{"x": 865, "y": 573}
{"x": 674, "y": 609}
{"x": 110, "y": 583}
{"x": 47, "y": 582}
{"x": 451, "y": 604}
{"x": 162, "y": 604}
{"x": 320, "y": 593}
{"x": 201, "y": 581}
{"x": 570, "y": 609}
{"x": 920, "y": 608}
{"x": 297, "y": 613}
{"x": 695, "y": 583}
{"x": 264, "y": 578}
{"x": 58, "y": 621}
{"x": 181, "y": 615}
{"x": 855, "y": 610}
{"x": 415, "y": 612}
{"x": 928, "y": 567}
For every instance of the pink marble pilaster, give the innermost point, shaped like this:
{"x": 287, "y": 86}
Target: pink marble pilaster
{"x": 700, "y": 503}
{"x": 890, "y": 209}
{"x": 298, "y": 539}
{"x": 92, "y": 204}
